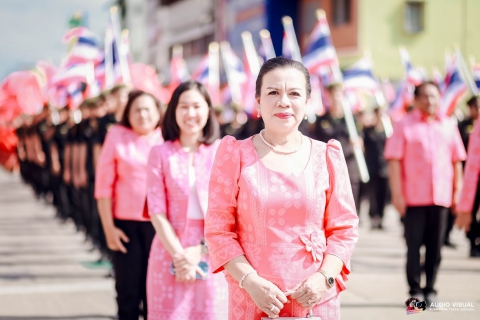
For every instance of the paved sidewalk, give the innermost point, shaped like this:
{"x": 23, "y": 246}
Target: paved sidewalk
{"x": 377, "y": 287}
{"x": 42, "y": 277}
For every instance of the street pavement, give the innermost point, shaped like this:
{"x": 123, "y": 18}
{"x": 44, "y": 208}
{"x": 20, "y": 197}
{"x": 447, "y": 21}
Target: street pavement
{"x": 43, "y": 273}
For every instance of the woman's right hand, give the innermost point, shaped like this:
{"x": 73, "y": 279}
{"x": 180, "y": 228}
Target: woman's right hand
{"x": 114, "y": 238}
{"x": 266, "y": 295}
{"x": 399, "y": 204}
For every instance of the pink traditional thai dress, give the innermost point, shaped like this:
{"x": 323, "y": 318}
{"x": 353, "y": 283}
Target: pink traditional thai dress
{"x": 472, "y": 172}
{"x": 283, "y": 223}
{"x": 168, "y": 192}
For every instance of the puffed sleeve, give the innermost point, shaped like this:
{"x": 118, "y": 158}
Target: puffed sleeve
{"x": 106, "y": 172}
{"x": 220, "y": 221}
{"x": 341, "y": 220}
{"x": 156, "y": 193}
{"x": 472, "y": 171}
{"x": 395, "y": 145}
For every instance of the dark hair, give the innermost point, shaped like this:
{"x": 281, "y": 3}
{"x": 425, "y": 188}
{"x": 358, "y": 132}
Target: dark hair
{"x": 132, "y": 96}
{"x": 118, "y": 87}
{"x": 170, "y": 129}
{"x": 472, "y": 102}
{"x": 281, "y": 62}
{"x": 418, "y": 88}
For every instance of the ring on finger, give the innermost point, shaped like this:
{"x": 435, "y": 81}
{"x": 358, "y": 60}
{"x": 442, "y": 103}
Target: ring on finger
{"x": 310, "y": 301}
{"x": 272, "y": 307}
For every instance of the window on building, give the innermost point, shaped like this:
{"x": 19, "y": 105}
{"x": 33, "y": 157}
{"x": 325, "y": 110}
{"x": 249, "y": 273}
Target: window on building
{"x": 413, "y": 17}
{"x": 197, "y": 47}
{"x": 341, "y": 12}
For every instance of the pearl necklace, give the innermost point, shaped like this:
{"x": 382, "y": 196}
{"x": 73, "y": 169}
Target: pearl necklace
{"x": 280, "y": 151}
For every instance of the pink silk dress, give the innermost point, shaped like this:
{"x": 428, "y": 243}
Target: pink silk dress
{"x": 168, "y": 192}
{"x": 121, "y": 171}
{"x": 284, "y": 224}
{"x": 472, "y": 172}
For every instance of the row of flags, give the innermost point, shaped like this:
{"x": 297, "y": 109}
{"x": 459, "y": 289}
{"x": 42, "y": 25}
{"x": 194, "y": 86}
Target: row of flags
{"x": 88, "y": 68}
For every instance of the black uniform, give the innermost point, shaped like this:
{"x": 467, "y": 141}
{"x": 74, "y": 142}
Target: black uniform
{"x": 62, "y": 202}
{"x": 327, "y": 128}
{"x": 374, "y": 141}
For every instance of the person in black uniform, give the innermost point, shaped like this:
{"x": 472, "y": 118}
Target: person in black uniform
{"x": 70, "y": 172}
{"x": 332, "y": 125}
{"x": 57, "y": 151}
{"x": 374, "y": 139}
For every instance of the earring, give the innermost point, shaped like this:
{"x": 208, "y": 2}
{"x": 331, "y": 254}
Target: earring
{"x": 258, "y": 115}
{"x": 306, "y": 118}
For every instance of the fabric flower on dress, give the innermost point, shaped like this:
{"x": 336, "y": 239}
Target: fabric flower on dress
{"x": 312, "y": 245}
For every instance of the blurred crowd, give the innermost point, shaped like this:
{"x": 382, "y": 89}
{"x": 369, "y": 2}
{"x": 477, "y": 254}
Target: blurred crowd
{"x": 58, "y": 150}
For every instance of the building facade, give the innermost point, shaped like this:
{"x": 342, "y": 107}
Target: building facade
{"x": 426, "y": 28}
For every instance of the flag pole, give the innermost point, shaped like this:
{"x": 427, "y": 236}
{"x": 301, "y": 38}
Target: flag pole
{"x": 109, "y": 81}
{"x": 291, "y": 38}
{"x": 349, "y": 120}
{"x": 267, "y": 44}
{"x": 251, "y": 53}
{"x": 234, "y": 88}
{"x": 214, "y": 72}
{"x": 466, "y": 73}
{"x": 119, "y": 45}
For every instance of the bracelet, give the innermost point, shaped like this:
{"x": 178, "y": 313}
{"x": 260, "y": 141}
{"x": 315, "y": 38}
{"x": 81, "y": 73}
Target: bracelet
{"x": 244, "y": 276}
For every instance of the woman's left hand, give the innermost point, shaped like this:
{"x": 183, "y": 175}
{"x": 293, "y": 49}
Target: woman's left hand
{"x": 309, "y": 292}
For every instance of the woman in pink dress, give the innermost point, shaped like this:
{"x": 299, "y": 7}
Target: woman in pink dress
{"x": 178, "y": 178}
{"x": 281, "y": 218}
{"x": 120, "y": 190}
{"x": 468, "y": 205}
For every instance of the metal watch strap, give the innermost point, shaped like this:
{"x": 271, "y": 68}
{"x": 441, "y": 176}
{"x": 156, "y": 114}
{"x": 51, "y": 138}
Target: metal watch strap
{"x": 327, "y": 278}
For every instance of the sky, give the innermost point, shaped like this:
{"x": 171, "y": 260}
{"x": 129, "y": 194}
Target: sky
{"x": 32, "y": 30}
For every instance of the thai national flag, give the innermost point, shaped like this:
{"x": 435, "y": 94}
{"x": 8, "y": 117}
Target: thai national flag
{"x": 178, "y": 69}
{"x": 85, "y": 50}
{"x": 360, "y": 76}
{"x": 201, "y": 72}
{"x": 320, "y": 49}
{"x": 403, "y": 97}
{"x": 414, "y": 76}
{"x": 476, "y": 74}
{"x": 76, "y": 33}
{"x": 73, "y": 74}
{"x": 315, "y": 106}
{"x": 455, "y": 87}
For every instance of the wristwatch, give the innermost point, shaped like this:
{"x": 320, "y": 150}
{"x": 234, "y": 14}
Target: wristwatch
{"x": 203, "y": 243}
{"x": 330, "y": 280}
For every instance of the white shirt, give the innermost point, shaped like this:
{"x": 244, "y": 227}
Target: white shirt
{"x": 194, "y": 211}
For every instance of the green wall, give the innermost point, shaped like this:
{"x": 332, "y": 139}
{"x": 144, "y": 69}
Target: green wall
{"x": 446, "y": 23}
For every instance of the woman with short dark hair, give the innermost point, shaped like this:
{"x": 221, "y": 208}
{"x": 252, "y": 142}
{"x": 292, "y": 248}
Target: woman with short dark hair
{"x": 281, "y": 219}
{"x": 120, "y": 190}
{"x": 180, "y": 284}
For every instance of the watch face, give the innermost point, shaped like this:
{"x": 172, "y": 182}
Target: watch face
{"x": 331, "y": 281}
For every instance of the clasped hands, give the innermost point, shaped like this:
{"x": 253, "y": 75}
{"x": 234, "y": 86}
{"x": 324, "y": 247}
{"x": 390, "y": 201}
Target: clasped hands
{"x": 186, "y": 264}
{"x": 270, "y": 299}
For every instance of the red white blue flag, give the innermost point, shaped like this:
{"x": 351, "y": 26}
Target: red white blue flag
{"x": 320, "y": 50}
